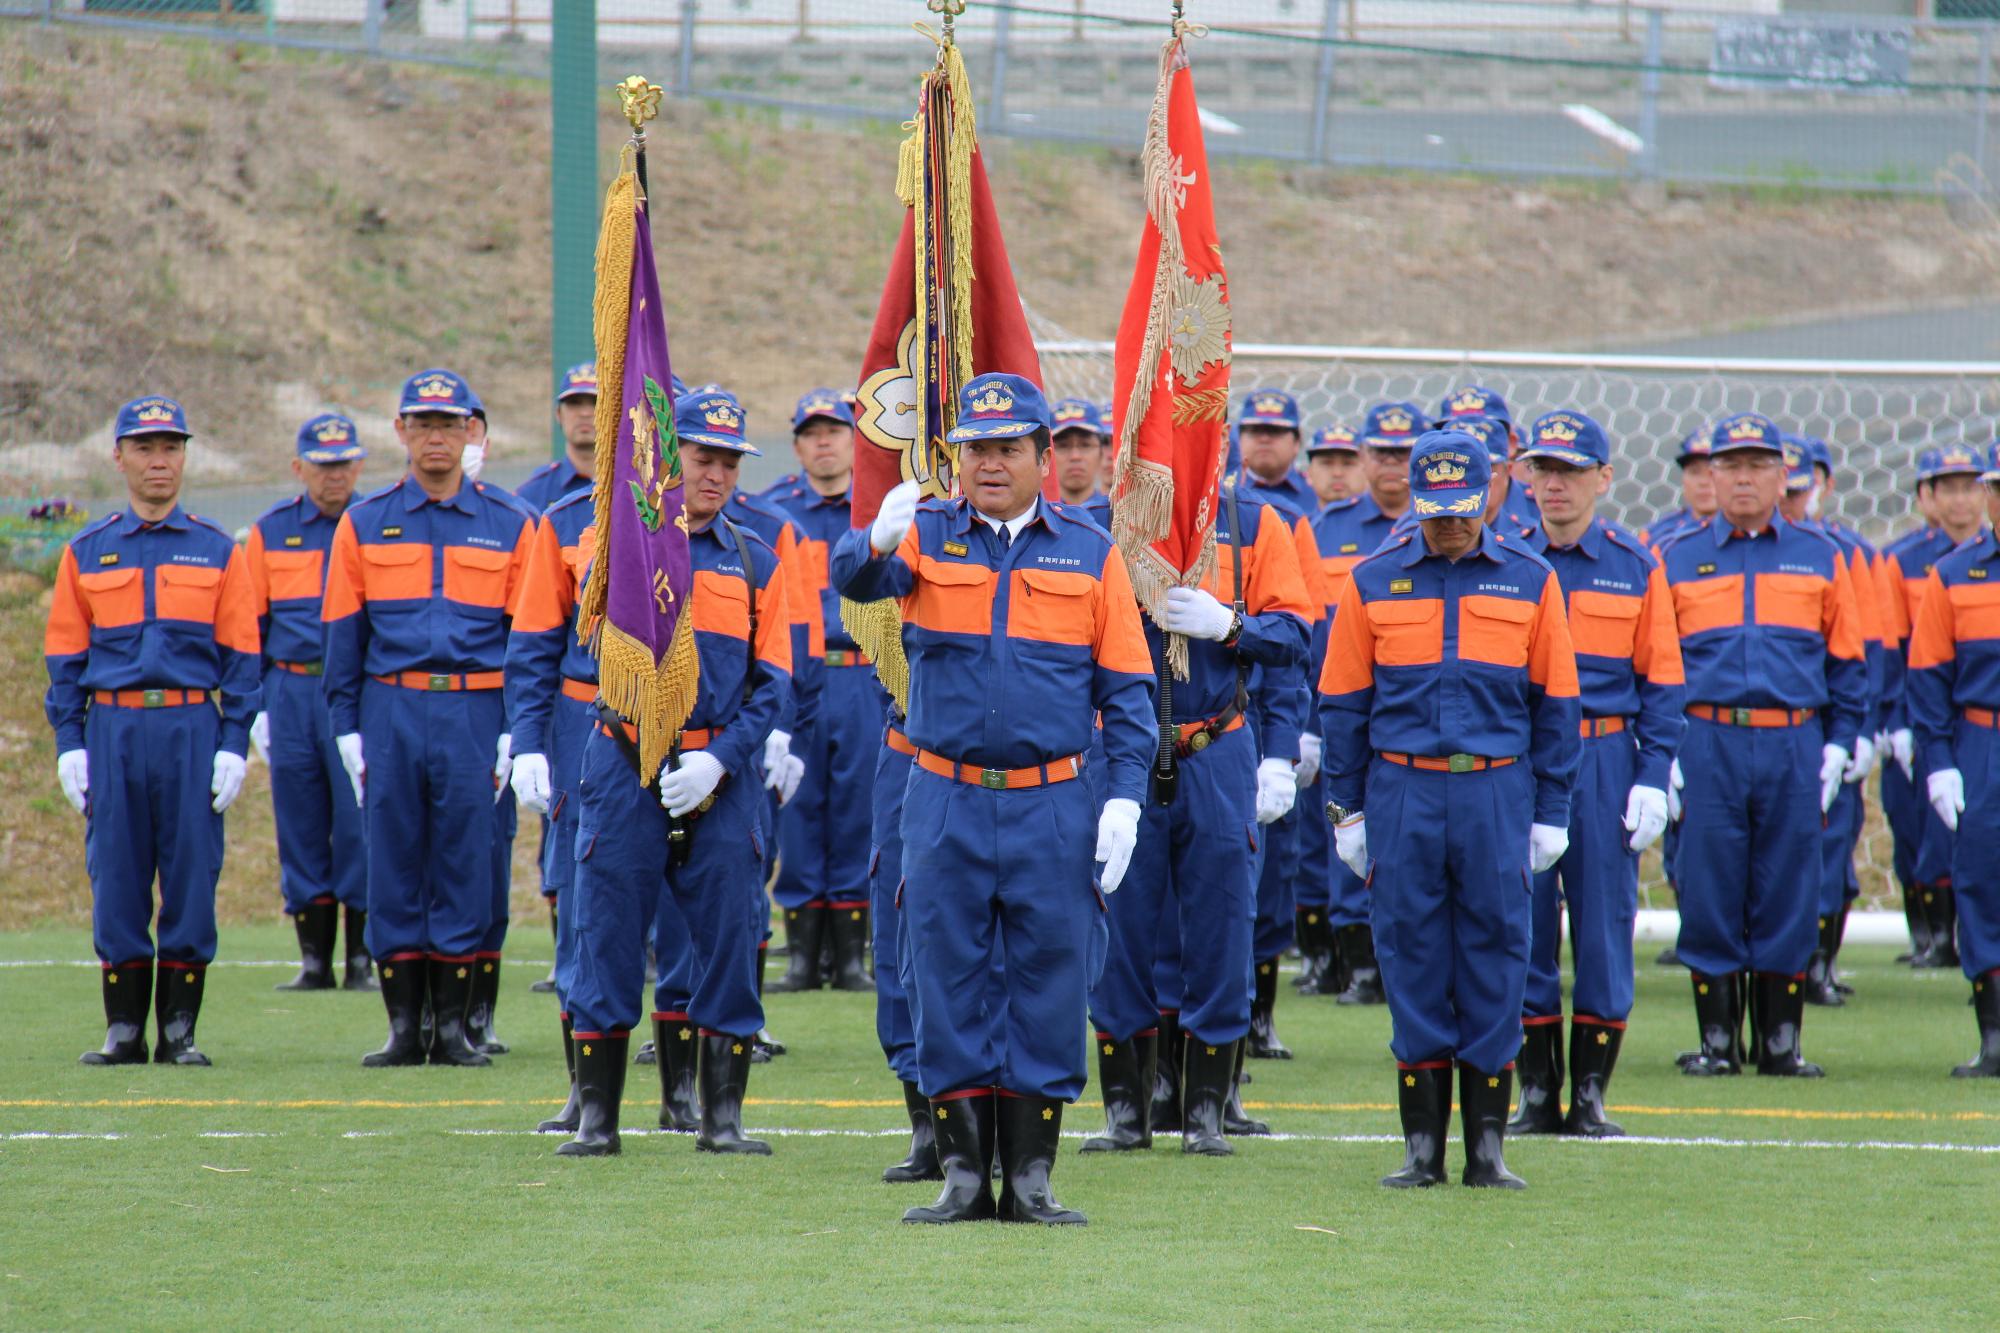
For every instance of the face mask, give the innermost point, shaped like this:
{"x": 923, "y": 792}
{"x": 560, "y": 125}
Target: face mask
{"x": 1813, "y": 503}
{"x": 474, "y": 460}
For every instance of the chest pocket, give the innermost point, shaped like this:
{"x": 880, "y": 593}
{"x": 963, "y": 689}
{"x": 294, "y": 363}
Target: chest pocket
{"x": 1603, "y": 624}
{"x": 722, "y": 604}
{"x": 475, "y": 576}
{"x": 577, "y": 560}
{"x": 115, "y": 597}
{"x": 952, "y": 599}
{"x": 1407, "y": 633}
{"x": 1793, "y": 601}
{"x": 396, "y": 573}
{"x": 186, "y": 592}
{"x": 293, "y": 574}
{"x": 1053, "y": 606}
{"x": 1495, "y": 630}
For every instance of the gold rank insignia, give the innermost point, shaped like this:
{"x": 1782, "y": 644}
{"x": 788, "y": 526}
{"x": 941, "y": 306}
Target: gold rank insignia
{"x": 1349, "y": 548}
{"x": 1468, "y": 402}
{"x": 955, "y": 548}
{"x": 108, "y": 558}
{"x": 1401, "y": 585}
{"x": 1704, "y": 569}
{"x": 991, "y": 400}
{"x": 392, "y": 532}
{"x": 1975, "y": 573}
{"x": 295, "y": 540}
{"x": 1396, "y": 421}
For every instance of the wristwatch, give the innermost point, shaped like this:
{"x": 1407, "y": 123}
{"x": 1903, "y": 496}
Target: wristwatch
{"x": 1235, "y": 629}
{"x": 1340, "y": 814}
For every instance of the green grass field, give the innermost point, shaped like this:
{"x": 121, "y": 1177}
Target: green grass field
{"x": 289, "y": 1187}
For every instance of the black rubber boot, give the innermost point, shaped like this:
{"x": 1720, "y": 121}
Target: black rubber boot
{"x": 1263, "y": 1042}
{"x": 547, "y": 985}
{"x": 1237, "y": 1122}
{"x": 1482, "y": 1108}
{"x": 1986, "y": 1009}
{"x": 479, "y": 1012}
{"x": 566, "y": 1120}
{"x": 966, "y": 1138}
{"x": 849, "y": 924}
{"x": 1668, "y": 957}
{"x": 1304, "y": 920}
{"x": 1028, "y": 1130}
{"x": 600, "y": 1091}
{"x": 1718, "y": 1012}
{"x": 921, "y": 1162}
{"x": 674, "y": 1049}
{"x": 1126, "y": 1073}
{"x": 177, "y": 992}
{"x": 1423, "y": 1097}
{"x": 1167, "y": 1112}
{"x": 647, "y": 1054}
{"x": 1540, "y": 1066}
{"x": 805, "y": 934}
{"x": 1819, "y": 988}
{"x": 1207, "y": 1075}
{"x": 128, "y": 999}
{"x": 1779, "y": 1005}
{"x": 403, "y": 988}
{"x": 1593, "y": 1053}
{"x": 1836, "y": 937}
{"x": 723, "y": 1072}
{"x": 450, "y": 994}
{"x": 767, "y": 1047}
{"x": 1944, "y": 927}
{"x": 316, "y": 926}
{"x": 1919, "y": 923}
{"x": 360, "y": 971}
{"x": 1357, "y": 959}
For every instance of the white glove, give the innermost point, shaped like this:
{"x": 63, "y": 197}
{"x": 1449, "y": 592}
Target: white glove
{"x": 1309, "y": 756}
{"x": 1350, "y": 839}
{"x": 531, "y": 782}
{"x": 1195, "y": 613}
{"x": 893, "y": 519}
{"x": 260, "y": 736}
{"x": 685, "y": 787}
{"x": 1645, "y": 816}
{"x": 503, "y": 764}
{"x": 777, "y": 749}
{"x": 1833, "y": 761}
{"x": 1947, "y": 791}
{"x": 788, "y": 785}
{"x": 1674, "y": 783}
{"x": 1277, "y": 790}
{"x": 351, "y": 760}
{"x": 1117, "y": 835}
{"x": 1546, "y": 845}
{"x": 1864, "y": 759}
{"x": 73, "y": 771}
{"x": 225, "y": 780}
{"x": 1903, "y": 749}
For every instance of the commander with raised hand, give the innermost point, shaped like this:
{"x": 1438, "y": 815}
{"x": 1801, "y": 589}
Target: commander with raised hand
{"x": 1020, "y": 626}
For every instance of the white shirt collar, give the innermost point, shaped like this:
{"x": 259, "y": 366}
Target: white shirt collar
{"x": 1012, "y": 525}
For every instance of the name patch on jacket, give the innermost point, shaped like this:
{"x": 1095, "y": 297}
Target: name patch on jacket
{"x": 108, "y": 558}
{"x": 955, "y": 548}
{"x": 1401, "y": 585}
{"x": 295, "y": 540}
{"x": 392, "y": 532}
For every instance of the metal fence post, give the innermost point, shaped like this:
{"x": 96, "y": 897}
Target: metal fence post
{"x": 1984, "y": 184}
{"x": 1649, "y": 96}
{"x": 371, "y": 27}
{"x": 684, "y": 68}
{"x": 1329, "y": 28}
{"x": 573, "y": 183}
{"x": 996, "y": 99}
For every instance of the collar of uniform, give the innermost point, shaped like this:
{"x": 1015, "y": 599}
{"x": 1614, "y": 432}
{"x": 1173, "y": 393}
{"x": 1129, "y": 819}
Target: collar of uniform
{"x": 310, "y": 513}
{"x": 1419, "y": 549}
{"x": 130, "y": 523}
{"x": 711, "y": 531}
{"x": 414, "y": 497}
{"x": 1722, "y": 530}
{"x": 814, "y": 499}
{"x": 1591, "y": 543}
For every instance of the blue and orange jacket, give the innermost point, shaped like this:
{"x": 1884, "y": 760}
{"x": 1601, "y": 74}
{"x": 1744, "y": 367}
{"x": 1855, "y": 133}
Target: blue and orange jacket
{"x": 286, "y": 556}
{"x": 1770, "y": 622}
{"x": 1864, "y": 573}
{"x": 1955, "y": 648}
{"x": 1668, "y": 525}
{"x": 543, "y": 650}
{"x": 1905, "y": 573}
{"x": 146, "y": 606}
{"x": 1291, "y": 491}
{"x": 808, "y": 635}
{"x": 1345, "y": 533}
{"x": 417, "y": 584}
{"x": 819, "y": 521}
{"x": 552, "y": 481}
{"x": 1621, "y": 626}
{"x": 1013, "y": 650}
{"x": 1282, "y": 696}
{"x": 1097, "y": 509}
{"x": 1438, "y": 657}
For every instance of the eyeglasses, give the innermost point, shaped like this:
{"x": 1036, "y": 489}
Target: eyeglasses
{"x": 1746, "y": 461}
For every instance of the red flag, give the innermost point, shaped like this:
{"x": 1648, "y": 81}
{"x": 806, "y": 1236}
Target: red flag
{"x": 1171, "y": 366}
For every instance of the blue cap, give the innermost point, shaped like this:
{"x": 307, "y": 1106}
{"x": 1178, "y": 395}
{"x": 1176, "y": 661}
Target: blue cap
{"x": 1392, "y": 425}
{"x": 579, "y": 381}
{"x": 1474, "y": 400}
{"x": 821, "y": 403}
{"x": 1992, "y": 472}
{"x": 1486, "y": 430}
{"x": 151, "y": 415}
{"x": 1333, "y": 439}
{"x": 1694, "y": 446}
{"x": 438, "y": 391}
{"x": 330, "y": 438}
{"x": 1078, "y": 414}
{"x": 714, "y": 418}
{"x": 1568, "y": 437}
{"x": 994, "y": 406}
{"x": 1927, "y": 462}
{"x": 1798, "y": 462}
{"x": 1955, "y": 460}
{"x": 1269, "y": 407}
{"x": 1746, "y": 430}
{"x": 1819, "y": 452}
{"x": 1449, "y": 471}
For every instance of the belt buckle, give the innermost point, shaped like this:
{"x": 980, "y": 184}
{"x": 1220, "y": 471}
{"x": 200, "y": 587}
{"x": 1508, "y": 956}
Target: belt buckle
{"x": 1462, "y": 763}
{"x": 1199, "y": 741}
{"x": 153, "y": 698}
{"x": 1739, "y": 717}
{"x": 315, "y": 668}
{"x": 993, "y": 779}
{"x": 437, "y": 682}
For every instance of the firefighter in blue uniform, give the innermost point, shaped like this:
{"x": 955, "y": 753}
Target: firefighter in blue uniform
{"x": 1449, "y": 707}
{"x": 152, "y": 656}
{"x": 1902, "y": 805}
{"x": 1697, "y": 490}
{"x": 576, "y": 415}
{"x": 710, "y": 792}
{"x": 1081, "y": 445}
{"x": 1777, "y": 695}
{"x": 1628, "y": 662}
{"x": 422, "y": 577}
{"x": 1020, "y": 625}
{"x": 1334, "y": 468}
{"x": 1954, "y": 693}
{"x": 322, "y": 868}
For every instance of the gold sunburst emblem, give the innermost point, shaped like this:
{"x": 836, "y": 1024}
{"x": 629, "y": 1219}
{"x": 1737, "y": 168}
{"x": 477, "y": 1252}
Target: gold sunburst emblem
{"x": 1198, "y": 327}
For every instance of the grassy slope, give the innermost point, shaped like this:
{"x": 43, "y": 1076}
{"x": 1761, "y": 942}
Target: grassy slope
{"x": 423, "y": 1227}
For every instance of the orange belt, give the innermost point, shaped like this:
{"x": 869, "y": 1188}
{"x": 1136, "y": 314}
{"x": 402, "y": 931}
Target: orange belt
{"x": 1751, "y": 717}
{"x": 1594, "y": 727}
{"x": 898, "y": 742}
{"x": 447, "y": 680}
{"x": 1002, "y": 779}
{"x": 696, "y": 739}
{"x": 299, "y": 668}
{"x": 149, "y": 698}
{"x": 1194, "y": 737}
{"x": 1456, "y": 763}
{"x": 1982, "y": 717}
{"x": 847, "y": 657}
{"x": 583, "y": 691}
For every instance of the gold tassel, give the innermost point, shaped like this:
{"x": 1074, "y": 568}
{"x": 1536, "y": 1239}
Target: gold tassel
{"x": 963, "y": 138}
{"x": 878, "y": 628}
{"x": 610, "y": 318}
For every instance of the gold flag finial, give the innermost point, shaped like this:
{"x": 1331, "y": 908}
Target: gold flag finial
{"x": 639, "y": 100}
{"x": 949, "y": 11}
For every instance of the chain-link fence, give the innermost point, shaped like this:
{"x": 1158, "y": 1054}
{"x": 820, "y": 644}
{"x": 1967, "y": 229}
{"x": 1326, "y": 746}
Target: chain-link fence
{"x": 1729, "y": 94}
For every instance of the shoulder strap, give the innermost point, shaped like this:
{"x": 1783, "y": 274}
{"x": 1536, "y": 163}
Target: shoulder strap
{"x": 1236, "y": 577}
{"x": 750, "y": 582}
